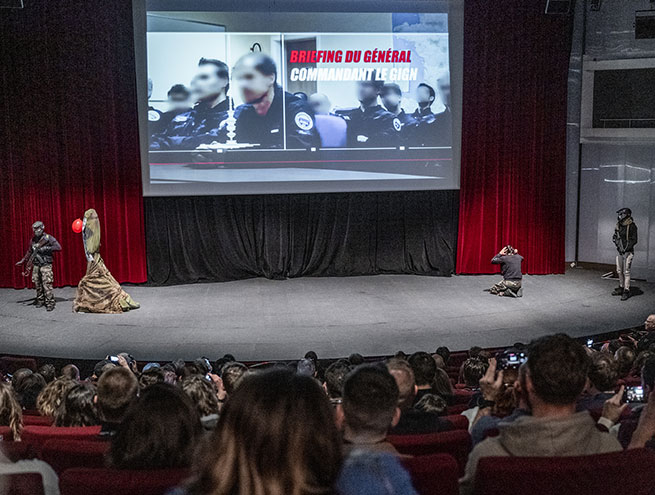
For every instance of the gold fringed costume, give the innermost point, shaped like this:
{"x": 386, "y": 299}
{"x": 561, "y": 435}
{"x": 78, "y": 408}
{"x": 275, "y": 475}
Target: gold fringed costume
{"x": 98, "y": 291}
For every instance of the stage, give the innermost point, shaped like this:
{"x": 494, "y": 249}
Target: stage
{"x": 260, "y": 319}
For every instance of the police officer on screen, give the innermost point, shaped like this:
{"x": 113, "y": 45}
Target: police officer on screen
{"x": 154, "y": 115}
{"x": 425, "y": 96}
{"x": 429, "y": 129}
{"x": 443, "y": 121}
{"x": 260, "y": 120}
{"x": 178, "y": 102}
{"x": 391, "y": 96}
{"x": 370, "y": 125}
{"x": 200, "y": 125}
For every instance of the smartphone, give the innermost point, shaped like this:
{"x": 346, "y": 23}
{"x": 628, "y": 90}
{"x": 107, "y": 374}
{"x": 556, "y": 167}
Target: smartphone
{"x": 113, "y": 359}
{"x": 590, "y": 342}
{"x": 634, "y": 395}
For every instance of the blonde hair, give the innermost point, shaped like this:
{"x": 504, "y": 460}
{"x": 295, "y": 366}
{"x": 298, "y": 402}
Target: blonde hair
{"x": 52, "y": 396}
{"x": 11, "y": 414}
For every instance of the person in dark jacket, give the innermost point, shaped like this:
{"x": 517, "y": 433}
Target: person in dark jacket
{"x": 625, "y": 238}
{"x": 510, "y": 261}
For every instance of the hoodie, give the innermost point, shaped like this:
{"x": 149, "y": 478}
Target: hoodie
{"x": 527, "y": 436}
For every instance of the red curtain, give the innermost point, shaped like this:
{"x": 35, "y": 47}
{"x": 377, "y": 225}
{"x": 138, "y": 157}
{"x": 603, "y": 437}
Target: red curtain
{"x": 68, "y": 134}
{"x": 513, "y": 135}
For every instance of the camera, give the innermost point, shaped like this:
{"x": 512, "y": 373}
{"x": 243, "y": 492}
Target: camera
{"x": 511, "y": 359}
{"x": 590, "y": 343}
{"x": 634, "y": 394}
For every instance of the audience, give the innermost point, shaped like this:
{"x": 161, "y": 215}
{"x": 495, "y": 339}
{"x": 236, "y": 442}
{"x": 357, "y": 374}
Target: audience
{"x": 425, "y": 369}
{"x": 231, "y": 375}
{"x": 625, "y": 359}
{"x": 117, "y": 388}
{"x": 78, "y": 407}
{"x": 556, "y": 374}
{"x": 204, "y": 396}
{"x": 11, "y": 414}
{"x": 601, "y": 382}
{"x": 47, "y": 371}
{"x": 295, "y": 450}
{"x": 71, "y": 372}
{"x": 28, "y": 389}
{"x": 370, "y": 408}
{"x": 373, "y": 473}
{"x": 160, "y": 430}
{"x": 52, "y": 396}
{"x": 150, "y": 376}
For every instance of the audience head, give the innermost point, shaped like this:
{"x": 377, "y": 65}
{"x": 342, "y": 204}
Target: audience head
{"x": 28, "y": 389}
{"x": 370, "y": 401}
{"x": 648, "y": 373}
{"x": 356, "y": 359}
{"x": 71, "y": 372}
{"x": 117, "y": 388}
{"x": 306, "y": 367}
{"x": 52, "y": 396}
{"x": 151, "y": 376}
{"x": 11, "y": 414}
{"x": 474, "y": 351}
{"x": 404, "y": 375}
{"x": 603, "y": 372}
{"x": 439, "y": 361}
{"x": 444, "y": 352}
{"x": 100, "y": 368}
{"x": 160, "y": 430}
{"x": 442, "y": 385}
{"x": 232, "y": 375}
{"x": 203, "y": 394}
{"x": 296, "y": 450}
{"x": 557, "y": 370}
{"x": 473, "y": 370}
{"x": 424, "y": 368}
{"x": 47, "y": 371}
{"x": 129, "y": 359}
{"x": 433, "y": 404}
{"x": 625, "y": 359}
{"x": 649, "y": 324}
{"x": 312, "y": 355}
{"x": 77, "y": 407}
{"x": 18, "y": 377}
{"x": 335, "y": 375}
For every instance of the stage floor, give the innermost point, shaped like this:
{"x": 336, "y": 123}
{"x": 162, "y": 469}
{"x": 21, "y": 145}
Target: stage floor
{"x": 260, "y": 319}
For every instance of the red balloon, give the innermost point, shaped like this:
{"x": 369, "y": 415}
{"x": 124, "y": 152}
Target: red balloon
{"x": 77, "y": 226}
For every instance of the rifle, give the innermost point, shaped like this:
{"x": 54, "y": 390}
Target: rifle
{"x": 28, "y": 259}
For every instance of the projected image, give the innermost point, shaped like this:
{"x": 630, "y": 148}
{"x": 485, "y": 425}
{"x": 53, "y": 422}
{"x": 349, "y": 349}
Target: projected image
{"x": 279, "y": 106}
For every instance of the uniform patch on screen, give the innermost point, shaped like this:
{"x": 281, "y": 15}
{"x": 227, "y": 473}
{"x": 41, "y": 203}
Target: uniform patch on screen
{"x": 153, "y": 115}
{"x": 304, "y": 121}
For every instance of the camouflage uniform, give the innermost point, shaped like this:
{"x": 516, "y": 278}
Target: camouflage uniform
{"x": 43, "y": 278}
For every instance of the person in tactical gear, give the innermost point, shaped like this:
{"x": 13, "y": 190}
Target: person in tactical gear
{"x": 510, "y": 261}
{"x": 625, "y": 238}
{"x": 39, "y": 258}
{"x": 391, "y": 96}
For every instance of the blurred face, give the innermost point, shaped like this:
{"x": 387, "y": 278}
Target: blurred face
{"x": 444, "y": 92}
{"x": 650, "y": 323}
{"x": 391, "y": 99}
{"x": 622, "y": 215}
{"x": 320, "y": 104}
{"x": 178, "y": 101}
{"x": 366, "y": 92}
{"x": 38, "y": 231}
{"x": 252, "y": 83}
{"x": 206, "y": 84}
{"x": 423, "y": 95}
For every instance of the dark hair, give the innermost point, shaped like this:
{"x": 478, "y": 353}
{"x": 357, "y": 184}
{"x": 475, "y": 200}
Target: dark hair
{"x": 391, "y": 88}
{"x": 648, "y": 373}
{"x": 356, "y": 359}
{"x": 370, "y": 398}
{"x": 472, "y": 370}
{"x": 77, "y": 408}
{"x": 47, "y": 371}
{"x": 202, "y": 393}
{"x": 335, "y": 375}
{"x": 263, "y": 63}
{"x": 179, "y": 89}
{"x": 474, "y": 351}
{"x": 442, "y": 386}
{"x": 431, "y": 403}
{"x": 312, "y": 355}
{"x": 28, "y": 390}
{"x": 222, "y": 70}
{"x": 374, "y": 81}
{"x": 424, "y": 368}
{"x": 625, "y": 358}
{"x": 152, "y": 376}
{"x": 71, "y": 372}
{"x": 102, "y": 367}
{"x": 430, "y": 89}
{"x": 232, "y": 375}
{"x": 444, "y": 352}
{"x": 159, "y": 431}
{"x": 117, "y": 388}
{"x": 276, "y": 434}
{"x": 603, "y": 372}
{"x": 558, "y": 367}
{"x": 19, "y": 376}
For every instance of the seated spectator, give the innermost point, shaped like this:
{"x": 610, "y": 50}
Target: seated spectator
{"x": 232, "y": 374}
{"x": 306, "y": 367}
{"x": 276, "y": 435}
{"x": 160, "y": 430}
{"x": 52, "y": 396}
{"x": 48, "y": 475}
{"x": 557, "y": 369}
{"x": 424, "y": 369}
{"x": 365, "y": 472}
{"x": 628, "y": 426}
{"x": 649, "y": 324}
{"x": 601, "y": 382}
{"x": 443, "y": 387}
{"x": 78, "y": 407}
{"x": 28, "y": 389}
{"x": 150, "y": 376}
{"x": 117, "y": 388}
{"x": 129, "y": 361}
{"x": 100, "y": 368}
{"x": 473, "y": 369}
{"x": 335, "y": 375}
{"x": 625, "y": 359}
{"x": 370, "y": 407}
{"x": 18, "y": 377}
{"x": 71, "y": 372}
{"x": 433, "y": 404}
{"x": 204, "y": 396}
{"x": 356, "y": 359}
{"x": 221, "y": 362}
{"x": 11, "y": 414}
{"x": 439, "y": 361}
{"x": 47, "y": 371}
{"x": 444, "y": 352}
{"x": 412, "y": 419}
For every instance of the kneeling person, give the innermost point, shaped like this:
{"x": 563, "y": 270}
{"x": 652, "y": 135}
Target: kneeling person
{"x": 510, "y": 261}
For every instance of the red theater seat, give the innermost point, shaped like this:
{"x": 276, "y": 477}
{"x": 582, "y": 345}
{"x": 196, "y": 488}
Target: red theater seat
{"x": 16, "y": 451}
{"x": 67, "y": 454}
{"x": 458, "y": 421}
{"x": 22, "y": 484}
{"x": 81, "y": 481}
{"x": 9, "y": 364}
{"x": 456, "y": 443}
{"x": 6, "y": 433}
{"x": 32, "y": 420}
{"x": 434, "y": 474}
{"x": 630, "y": 472}
{"x": 39, "y": 435}
{"x": 463, "y": 396}
{"x": 457, "y": 409}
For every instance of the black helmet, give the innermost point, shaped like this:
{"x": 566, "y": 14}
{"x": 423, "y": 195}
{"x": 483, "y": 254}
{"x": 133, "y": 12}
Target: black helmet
{"x": 627, "y": 211}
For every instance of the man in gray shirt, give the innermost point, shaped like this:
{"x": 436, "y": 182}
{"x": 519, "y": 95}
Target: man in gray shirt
{"x": 509, "y": 260}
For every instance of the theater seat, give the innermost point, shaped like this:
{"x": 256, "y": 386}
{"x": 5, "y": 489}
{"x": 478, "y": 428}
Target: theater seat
{"x": 22, "y": 484}
{"x": 630, "y": 472}
{"x": 81, "y": 481}
{"x": 29, "y": 419}
{"x": 6, "y": 433}
{"x": 457, "y": 409}
{"x": 458, "y": 421}
{"x": 9, "y": 364}
{"x": 463, "y": 396}
{"x": 456, "y": 443}
{"x": 67, "y": 454}
{"x": 37, "y": 436}
{"x": 434, "y": 474}
{"x": 17, "y": 451}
